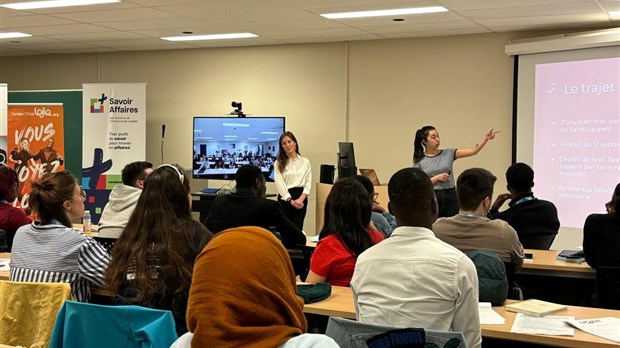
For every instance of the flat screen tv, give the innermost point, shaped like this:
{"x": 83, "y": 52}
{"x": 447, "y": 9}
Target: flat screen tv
{"x": 224, "y": 143}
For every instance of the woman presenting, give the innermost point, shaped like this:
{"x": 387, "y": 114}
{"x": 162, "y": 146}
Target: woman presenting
{"x": 293, "y": 177}
{"x": 437, "y": 163}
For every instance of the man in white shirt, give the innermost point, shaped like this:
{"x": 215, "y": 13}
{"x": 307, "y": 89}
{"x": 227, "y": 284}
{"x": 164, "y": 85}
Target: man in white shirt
{"x": 413, "y": 279}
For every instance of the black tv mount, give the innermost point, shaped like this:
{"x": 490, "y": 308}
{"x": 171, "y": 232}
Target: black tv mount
{"x": 238, "y": 109}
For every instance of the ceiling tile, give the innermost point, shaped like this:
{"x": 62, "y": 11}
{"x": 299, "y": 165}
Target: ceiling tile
{"x": 458, "y": 5}
{"x": 447, "y": 32}
{"x": 87, "y": 37}
{"x": 159, "y": 23}
{"x": 31, "y": 21}
{"x": 115, "y": 15}
{"x": 534, "y": 11}
{"x": 64, "y": 29}
{"x": 543, "y": 20}
{"x": 409, "y": 29}
{"x": 281, "y": 35}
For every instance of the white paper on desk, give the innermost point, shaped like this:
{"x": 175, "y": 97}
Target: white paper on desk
{"x": 488, "y": 316}
{"x": 4, "y": 264}
{"x": 550, "y": 325}
{"x": 608, "y": 328}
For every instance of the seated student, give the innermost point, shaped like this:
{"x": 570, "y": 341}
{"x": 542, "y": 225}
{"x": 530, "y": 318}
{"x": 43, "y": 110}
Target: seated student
{"x": 48, "y": 249}
{"x": 470, "y": 229}
{"x": 528, "y": 215}
{"x": 11, "y": 218}
{"x": 123, "y": 199}
{"x": 152, "y": 260}
{"x": 345, "y": 234}
{"x": 601, "y": 235}
{"x": 249, "y": 207}
{"x": 243, "y": 294}
{"x": 382, "y": 220}
{"x": 413, "y": 279}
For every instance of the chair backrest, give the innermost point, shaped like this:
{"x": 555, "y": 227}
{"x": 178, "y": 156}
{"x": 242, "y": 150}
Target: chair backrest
{"x": 510, "y": 275}
{"x": 352, "y": 334}
{"x": 537, "y": 242}
{"x": 4, "y": 245}
{"x": 28, "y": 311}
{"x": 607, "y": 294}
{"x": 493, "y": 284}
{"x": 94, "y": 326}
{"x": 106, "y": 243}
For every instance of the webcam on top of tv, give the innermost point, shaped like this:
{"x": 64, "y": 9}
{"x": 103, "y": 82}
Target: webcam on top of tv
{"x": 238, "y": 109}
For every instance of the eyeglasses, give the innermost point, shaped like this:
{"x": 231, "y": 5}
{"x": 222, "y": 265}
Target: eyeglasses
{"x": 82, "y": 194}
{"x": 374, "y": 196}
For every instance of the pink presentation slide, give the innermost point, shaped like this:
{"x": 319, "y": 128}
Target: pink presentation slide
{"x": 577, "y": 136}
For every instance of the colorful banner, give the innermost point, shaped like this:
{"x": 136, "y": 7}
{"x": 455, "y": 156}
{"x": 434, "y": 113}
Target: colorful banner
{"x": 35, "y": 143}
{"x": 114, "y": 129}
{"x": 3, "y": 122}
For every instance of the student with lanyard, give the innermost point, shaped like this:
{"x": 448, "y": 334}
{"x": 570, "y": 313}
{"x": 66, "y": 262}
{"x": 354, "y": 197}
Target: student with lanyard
{"x": 437, "y": 164}
{"x": 293, "y": 177}
{"x": 529, "y": 216}
{"x": 471, "y": 229}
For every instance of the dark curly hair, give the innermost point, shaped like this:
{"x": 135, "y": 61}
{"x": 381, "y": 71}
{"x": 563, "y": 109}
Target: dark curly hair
{"x": 520, "y": 177}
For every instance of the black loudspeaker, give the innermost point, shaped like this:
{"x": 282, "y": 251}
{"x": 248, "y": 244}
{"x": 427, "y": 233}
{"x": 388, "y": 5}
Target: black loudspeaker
{"x": 327, "y": 174}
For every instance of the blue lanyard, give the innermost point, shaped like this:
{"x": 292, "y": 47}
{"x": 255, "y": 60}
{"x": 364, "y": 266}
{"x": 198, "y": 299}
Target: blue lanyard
{"x": 477, "y": 216}
{"x": 523, "y": 200}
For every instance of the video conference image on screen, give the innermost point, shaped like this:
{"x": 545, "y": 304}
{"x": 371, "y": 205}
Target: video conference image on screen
{"x": 223, "y": 144}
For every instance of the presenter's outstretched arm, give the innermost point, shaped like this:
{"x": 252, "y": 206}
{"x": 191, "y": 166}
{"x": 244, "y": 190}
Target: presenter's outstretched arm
{"x": 472, "y": 151}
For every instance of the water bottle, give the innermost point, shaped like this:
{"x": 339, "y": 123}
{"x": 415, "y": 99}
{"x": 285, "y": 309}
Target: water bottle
{"x": 86, "y": 221}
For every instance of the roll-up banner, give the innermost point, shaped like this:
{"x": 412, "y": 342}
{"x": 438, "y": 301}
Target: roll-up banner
{"x": 114, "y": 134}
{"x": 3, "y": 122}
{"x": 35, "y": 143}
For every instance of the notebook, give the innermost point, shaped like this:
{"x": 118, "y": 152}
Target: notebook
{"x": 372, "y": 175}
{"x": 533, "y": 307}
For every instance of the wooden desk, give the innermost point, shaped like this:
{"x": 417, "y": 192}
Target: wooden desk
{"x": 544, "y": 263}
{"x": 580, "y": 339}
{"x": 340, "y": 304}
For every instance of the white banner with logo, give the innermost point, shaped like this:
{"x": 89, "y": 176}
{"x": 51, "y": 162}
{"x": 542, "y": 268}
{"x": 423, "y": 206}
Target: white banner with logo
{"x": 114, "y": 134}
{"x": 3, "y": 122}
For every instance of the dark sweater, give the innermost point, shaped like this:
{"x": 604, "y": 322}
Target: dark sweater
{"x": 531, "y": 218}
{"x": 244, "y": 208}
{"x": 601, "y": 240}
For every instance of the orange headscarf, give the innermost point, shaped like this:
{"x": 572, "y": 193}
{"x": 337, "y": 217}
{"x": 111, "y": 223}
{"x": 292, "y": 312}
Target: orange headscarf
{"x": 243, "y": 292}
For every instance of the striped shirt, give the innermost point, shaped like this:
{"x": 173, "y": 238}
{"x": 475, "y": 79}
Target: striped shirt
{"x": 55, "y": 253}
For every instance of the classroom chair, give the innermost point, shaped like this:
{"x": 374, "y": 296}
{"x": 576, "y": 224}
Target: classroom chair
{"x": 493, "y": 283}
{"x": 28, "y": 311}
{"x": 537, "y": 242}
{"x": 96, "y": 326}
{"x": 352, "y": 334}
{"x": 607, "y": 288}
{"x": 4, "y": 246}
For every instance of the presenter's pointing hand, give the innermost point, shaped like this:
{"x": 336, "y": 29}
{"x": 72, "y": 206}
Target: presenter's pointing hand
{"x": 491, "y": 134}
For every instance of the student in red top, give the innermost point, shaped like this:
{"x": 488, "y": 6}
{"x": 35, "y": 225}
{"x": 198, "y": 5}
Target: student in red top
{"x": 11, "y": 218}
{"x": 346, "y": 233}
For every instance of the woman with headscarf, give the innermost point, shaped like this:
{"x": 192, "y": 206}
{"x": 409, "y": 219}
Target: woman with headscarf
{"x": 243, "y": 294}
